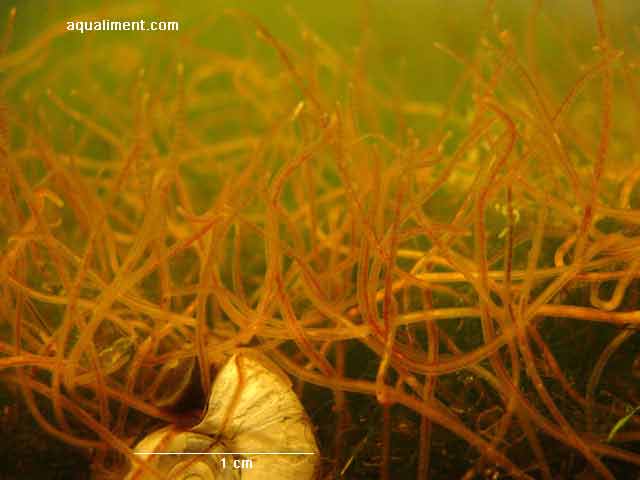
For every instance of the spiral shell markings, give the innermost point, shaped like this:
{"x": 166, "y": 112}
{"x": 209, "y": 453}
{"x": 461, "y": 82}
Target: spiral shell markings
{"x": 254, "y": 428}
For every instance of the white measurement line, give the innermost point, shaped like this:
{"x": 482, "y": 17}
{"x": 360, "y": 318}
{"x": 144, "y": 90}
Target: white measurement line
{"x": 224, "y": 453}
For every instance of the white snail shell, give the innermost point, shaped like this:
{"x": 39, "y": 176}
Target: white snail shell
{"x": 177, "y": 440}
{"x": 252, "y": 409}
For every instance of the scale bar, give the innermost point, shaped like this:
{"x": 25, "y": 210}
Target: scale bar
{"x": 224, "y": 453}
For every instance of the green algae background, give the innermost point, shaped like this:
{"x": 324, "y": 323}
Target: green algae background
{"x": 401, "y": 34}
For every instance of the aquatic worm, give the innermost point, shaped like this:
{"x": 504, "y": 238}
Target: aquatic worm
{"x": 254, "y": 428}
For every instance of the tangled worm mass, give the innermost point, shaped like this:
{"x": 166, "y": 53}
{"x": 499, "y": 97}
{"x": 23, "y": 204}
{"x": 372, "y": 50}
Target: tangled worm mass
{"x": 439, "y": 278}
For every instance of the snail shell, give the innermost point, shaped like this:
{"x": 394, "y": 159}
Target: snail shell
{"x": 174, "y": 439}
{"x": 252, "y": 409}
